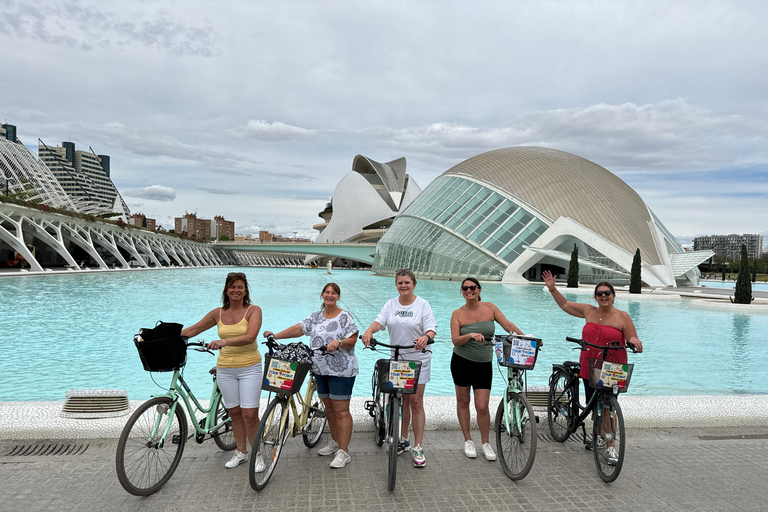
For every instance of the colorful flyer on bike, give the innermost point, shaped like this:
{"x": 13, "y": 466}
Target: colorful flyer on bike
{"x": 522, "y": 352}
{"x": 280, "y": 374}
{"x": 402, "y": 374}
{"x": 614, "y": 374}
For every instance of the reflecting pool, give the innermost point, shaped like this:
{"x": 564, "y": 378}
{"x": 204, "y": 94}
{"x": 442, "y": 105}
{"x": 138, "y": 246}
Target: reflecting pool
{"x": 75, "y": 331}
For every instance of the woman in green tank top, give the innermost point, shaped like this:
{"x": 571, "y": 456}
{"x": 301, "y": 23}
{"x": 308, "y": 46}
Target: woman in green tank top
{"x": 472, "y": 362}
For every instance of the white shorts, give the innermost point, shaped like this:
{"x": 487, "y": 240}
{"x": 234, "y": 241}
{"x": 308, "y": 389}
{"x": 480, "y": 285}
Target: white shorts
{"x": 240, "y": 387}
{"x": 425, "y": 373}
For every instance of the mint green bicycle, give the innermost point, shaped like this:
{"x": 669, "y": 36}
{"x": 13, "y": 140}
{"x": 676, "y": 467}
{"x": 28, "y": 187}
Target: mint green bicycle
{"x": 153, "y": 439}
{"x": 515, "y": 422}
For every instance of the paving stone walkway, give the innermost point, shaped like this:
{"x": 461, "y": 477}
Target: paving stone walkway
{"x": 717, "y": 469}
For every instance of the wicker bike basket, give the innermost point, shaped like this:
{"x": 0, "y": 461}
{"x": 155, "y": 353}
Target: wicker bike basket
{"x": 609, "y": 375}
{"x": 161, "y": 348}
{"x": 397, "y": 376}
{"x": 284, "y": 377}
{"x": 517, "y": 352}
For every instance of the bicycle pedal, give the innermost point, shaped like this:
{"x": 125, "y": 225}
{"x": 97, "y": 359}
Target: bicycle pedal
{"x": 176, "y": 439}
{"x": 537, "y": 418}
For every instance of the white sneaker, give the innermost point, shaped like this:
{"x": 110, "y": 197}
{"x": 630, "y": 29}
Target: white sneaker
{"x": 488, "y": 452}
{"x": 469, "y": 449}
{"x": 612, "y": 455}
{"x": 329, "y": 449}
{"x": 259, "y": 466}
{"x": 237, "y": 459}
{"x": 341, "y": 459}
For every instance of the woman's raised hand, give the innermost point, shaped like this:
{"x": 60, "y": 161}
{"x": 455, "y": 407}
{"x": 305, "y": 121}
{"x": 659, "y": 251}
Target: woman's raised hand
{"x": 549, "y": 280}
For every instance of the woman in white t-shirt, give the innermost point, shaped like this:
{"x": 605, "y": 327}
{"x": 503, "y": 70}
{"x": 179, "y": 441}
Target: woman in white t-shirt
{"x": 410, "y": 320}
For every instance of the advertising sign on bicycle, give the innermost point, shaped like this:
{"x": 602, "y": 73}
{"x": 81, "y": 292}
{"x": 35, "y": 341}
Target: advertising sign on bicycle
{"x": 280, "y": 374}
{"x": 402, "y": 375}
{"x": 614, "y": 374}
{"x": 519, "y": 351}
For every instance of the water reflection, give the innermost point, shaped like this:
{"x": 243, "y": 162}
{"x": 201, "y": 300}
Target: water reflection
{"x": 739, "y": 342}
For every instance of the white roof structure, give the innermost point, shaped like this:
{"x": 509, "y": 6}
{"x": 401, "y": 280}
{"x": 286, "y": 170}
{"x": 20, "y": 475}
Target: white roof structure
{"x": 511, "y": 213}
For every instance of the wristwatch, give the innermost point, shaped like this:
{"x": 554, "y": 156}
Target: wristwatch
{"x": 429, "y": 338}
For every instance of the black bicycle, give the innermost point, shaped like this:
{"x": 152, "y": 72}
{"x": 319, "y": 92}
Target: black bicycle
{"x": 566, "y": 414}
{"x": 392, "y": 378}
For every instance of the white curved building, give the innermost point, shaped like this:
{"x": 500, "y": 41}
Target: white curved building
{"x": 511, "y": 213}
{"x": 366, "y": 201}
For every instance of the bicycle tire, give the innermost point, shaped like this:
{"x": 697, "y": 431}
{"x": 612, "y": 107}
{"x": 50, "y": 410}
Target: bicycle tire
{"x": 270, "y": 437}
{"x": 608, "y": 471}
{"x": 142, "y": 464}
{"x": 379, "y": 421}
{"x": 224, "y": 436}
{"x": 559, "y": 407}
{"x": 393, "y": 420}
{"x": 516, "y": 446}
{"x": 316, "y": 421}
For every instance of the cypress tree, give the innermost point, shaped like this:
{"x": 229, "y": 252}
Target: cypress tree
{"x": 573, "y": 269}
{"x": 743, "y": 293}
{"x": 634, "y": 280}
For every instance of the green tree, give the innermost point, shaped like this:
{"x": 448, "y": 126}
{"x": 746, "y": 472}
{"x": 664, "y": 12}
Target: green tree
{"x": 573, "y": 269}
{"x": 743, "y": 293}
{"x": 634, "y": 280}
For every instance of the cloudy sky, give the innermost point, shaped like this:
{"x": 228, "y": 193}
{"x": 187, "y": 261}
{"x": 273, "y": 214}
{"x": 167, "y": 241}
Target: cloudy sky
{"x": 255, "y": 110}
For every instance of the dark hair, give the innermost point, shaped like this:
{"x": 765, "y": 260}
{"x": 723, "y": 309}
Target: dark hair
{"x": 232, "y": 277}
{"x": 479, "y": 288}
{"x": 403, "y": 272}
{"x": 605, "y": 283}
{"x": 335, "y": 288}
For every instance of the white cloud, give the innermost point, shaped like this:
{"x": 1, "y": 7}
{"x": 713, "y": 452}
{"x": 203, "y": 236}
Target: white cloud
{"x": 153, "y": 192}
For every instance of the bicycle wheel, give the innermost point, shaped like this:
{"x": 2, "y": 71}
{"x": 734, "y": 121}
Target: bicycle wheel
{"x": 316, "y": 420}
{"x": 145, "y": 459}
{"x": 393, "y": 434}
{"x": 379, "y": 421}
{"x": 270, "y": 437}
{"x": 516, "y": 436}
{"x": 559, "y": 411}
{"x": 607, "y": 429}
{"x": 224, "y": 437}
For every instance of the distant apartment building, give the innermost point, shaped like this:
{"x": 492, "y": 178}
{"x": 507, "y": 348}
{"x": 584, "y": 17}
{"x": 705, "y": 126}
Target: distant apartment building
{"x": 190, "y": 225}
{"x": 266, "y": 236}
{"x": 730, "y": 245}
{"x": 139, "y": 219}
{"x": 84, "y": 176}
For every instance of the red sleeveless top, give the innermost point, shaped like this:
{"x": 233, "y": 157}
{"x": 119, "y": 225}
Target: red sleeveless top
{"x": 601, "y": 335}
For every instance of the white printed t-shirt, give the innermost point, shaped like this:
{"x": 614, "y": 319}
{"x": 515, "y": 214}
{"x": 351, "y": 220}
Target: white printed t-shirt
{"x": 406, "y": 323}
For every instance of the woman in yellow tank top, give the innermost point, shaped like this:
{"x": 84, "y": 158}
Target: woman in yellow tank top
{"x": 238, "y": 367}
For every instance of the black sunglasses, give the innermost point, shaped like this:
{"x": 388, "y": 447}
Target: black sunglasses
{"x": 467, "y": 288}
{"x": 603, "y": 292}
{"x": 235, "y": 274}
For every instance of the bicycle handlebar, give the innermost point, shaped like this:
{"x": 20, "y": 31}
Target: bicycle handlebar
{"x": 273, "y": 344}
{"x": 520, "y": 336}
{"x": 374, "y": 343}
{"x": 200, "y": 343}
{"x": 614, "y": 345}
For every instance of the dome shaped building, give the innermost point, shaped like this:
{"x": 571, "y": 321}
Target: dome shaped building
{"x": 511, "y": 213}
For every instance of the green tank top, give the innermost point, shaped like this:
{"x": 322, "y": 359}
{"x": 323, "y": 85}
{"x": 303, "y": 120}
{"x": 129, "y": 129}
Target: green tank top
{"x": 472, "y": 350}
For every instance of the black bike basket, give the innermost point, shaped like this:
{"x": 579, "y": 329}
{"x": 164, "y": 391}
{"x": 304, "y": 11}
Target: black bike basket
{"x": 162, "y": 348}
{"x": 515, "y": 352}
{"x": 284, "y": 377}
{"x": 606, "y": 374}
{"x": 397, "y": 376}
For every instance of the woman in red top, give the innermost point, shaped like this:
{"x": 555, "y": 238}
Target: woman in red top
{"x": 605, "y": 324}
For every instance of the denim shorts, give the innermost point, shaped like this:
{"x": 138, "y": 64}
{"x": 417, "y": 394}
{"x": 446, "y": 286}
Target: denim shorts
{"x": 335, "y": 388}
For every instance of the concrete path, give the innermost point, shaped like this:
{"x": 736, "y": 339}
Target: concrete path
{"x": 717, "y": 469}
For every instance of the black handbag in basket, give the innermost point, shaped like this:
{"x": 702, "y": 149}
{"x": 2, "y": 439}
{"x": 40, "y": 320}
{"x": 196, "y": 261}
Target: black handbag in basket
{"x": 161, "y": 348}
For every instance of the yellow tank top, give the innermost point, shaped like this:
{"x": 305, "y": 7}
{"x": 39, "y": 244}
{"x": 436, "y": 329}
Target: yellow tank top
{"x": 237, "y": 357}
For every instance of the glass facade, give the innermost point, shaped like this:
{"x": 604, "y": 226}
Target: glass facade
{"x": 458, "y": 227}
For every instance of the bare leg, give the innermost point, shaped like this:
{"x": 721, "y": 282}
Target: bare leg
{"x": 482, "y": 396}
{"x": 250, "y": 422}
{"x": 415, "y": 405}
{"x": 462, "y": 410}
{"x": 238, "y": 429}
{"x": 343, "y": 421}
{"x": 330, "y": 413}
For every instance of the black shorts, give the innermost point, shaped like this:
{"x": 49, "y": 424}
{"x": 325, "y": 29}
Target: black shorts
{"x": 468, "y": 373}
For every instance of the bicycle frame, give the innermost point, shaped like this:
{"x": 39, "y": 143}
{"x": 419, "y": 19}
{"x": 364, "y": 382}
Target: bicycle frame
{"x": 180, "y": 389}
{"x": 514, "y": 385}
{"x": 299, "y": 419}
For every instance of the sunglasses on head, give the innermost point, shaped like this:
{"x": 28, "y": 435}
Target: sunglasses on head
{"x": 470, "y": 287}
{"x": 603, "y": 292}
{"x": 235, "y": 274}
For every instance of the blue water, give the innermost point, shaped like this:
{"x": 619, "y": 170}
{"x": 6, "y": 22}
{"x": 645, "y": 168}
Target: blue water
{"x": 732, "y": 284}
{"x": 75, "y": 331}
